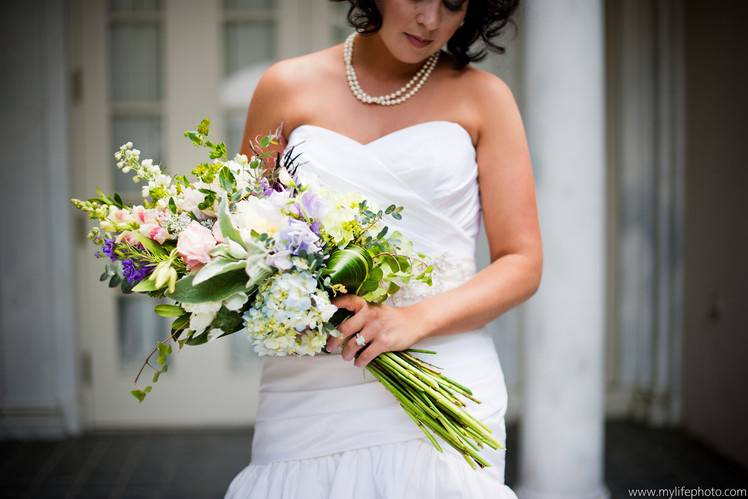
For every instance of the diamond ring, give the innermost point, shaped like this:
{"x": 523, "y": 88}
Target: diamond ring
{"x": 360, "y": 341}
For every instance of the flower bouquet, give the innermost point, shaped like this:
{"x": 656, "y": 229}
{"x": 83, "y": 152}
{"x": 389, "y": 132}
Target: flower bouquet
{"x": 258, "y": 246}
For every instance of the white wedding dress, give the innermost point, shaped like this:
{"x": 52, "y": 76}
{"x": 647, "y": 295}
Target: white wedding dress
{"x": 328, "y": 429}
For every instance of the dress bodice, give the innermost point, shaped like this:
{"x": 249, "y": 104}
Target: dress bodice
{"x": 314, "y": 409}
{"x": 428, "y": 168}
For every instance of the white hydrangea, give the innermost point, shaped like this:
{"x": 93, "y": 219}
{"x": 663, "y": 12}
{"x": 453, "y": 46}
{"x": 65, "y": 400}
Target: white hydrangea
{"x": 288, "y": 316}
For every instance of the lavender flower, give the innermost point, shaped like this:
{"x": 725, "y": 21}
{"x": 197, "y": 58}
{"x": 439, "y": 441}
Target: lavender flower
{"x": 108, "y": 249}
{"x": 266, "y": 189}
{"x": 133, "y": 273}
{"x": 297, "y": 237}
{"x": 312, "y": 204}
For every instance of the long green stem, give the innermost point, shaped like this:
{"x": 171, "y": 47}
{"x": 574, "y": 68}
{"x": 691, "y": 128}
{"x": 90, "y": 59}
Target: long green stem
{"x": 425, "y": 393}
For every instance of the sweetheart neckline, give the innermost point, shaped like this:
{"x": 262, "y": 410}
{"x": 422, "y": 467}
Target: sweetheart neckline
{"x": 385, "y": 136}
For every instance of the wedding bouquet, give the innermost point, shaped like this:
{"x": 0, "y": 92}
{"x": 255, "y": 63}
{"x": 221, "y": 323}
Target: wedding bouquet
{"x": 258, "y": 246}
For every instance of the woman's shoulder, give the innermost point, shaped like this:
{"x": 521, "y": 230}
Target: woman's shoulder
{"x": 290, "y": 75}
{"x": 284, "y": 87}
{"x": 473, "y": 78}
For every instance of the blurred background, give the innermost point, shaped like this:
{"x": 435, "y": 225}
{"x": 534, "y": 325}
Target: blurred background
{"x": 627, "y": 369}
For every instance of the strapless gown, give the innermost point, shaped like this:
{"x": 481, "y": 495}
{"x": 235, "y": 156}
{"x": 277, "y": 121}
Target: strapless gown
{"x": 328, "y": 429}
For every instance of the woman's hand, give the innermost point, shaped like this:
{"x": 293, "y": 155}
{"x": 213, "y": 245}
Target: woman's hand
{"x": 385, "y": 329}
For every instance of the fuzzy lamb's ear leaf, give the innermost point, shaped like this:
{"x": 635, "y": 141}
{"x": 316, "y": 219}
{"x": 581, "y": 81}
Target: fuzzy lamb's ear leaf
{"x": 216, "y": 288}
{"x": 215, "y": 267}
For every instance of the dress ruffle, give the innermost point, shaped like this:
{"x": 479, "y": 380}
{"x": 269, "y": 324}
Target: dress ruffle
{"x": 401, "y": 470}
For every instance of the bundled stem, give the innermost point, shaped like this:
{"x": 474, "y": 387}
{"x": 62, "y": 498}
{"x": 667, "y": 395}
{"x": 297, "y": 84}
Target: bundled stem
{"x": 432, "y": 401}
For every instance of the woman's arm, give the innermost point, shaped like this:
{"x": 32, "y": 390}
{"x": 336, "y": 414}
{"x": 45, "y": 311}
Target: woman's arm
{"x": 508, "y": 201}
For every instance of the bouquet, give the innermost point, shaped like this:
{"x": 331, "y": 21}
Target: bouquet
{"x": 258, "y": 246}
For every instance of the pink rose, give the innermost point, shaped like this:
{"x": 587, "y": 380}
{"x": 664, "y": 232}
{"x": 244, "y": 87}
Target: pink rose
{"x": 194, "y": 245}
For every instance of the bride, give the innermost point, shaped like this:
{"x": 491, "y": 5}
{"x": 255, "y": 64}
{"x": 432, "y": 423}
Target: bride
{"x": 391, "y": 115}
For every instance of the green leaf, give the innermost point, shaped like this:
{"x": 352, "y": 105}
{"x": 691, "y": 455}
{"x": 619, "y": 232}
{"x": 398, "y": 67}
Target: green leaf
{"x": 227, "y": 180}
{"x": 349, "y": 266}
{"x": 172, "y": 205}
{"x": 144, "y": 286}
{"x": 169, "y": 310}
{"x": 382, "y": 232}
{"x": 164, "y": 348}
{"x": 155, "y": 376}
{"x": 180, "y": 322}
{"x": 215, "y": 267}
{"x": 114, "y": 281}
{"x": 138, "y": 394}
{"x": 197, "y": 340}
{"x": 216, "y": 288}
{"x": 148, "y": 244}
{"x": 228, "y": 321}
{"x": 227, "y": 228}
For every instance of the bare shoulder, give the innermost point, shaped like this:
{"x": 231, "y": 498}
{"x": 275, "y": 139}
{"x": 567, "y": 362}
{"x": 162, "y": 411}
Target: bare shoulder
{"x": 492, "y": 101}
{"x": 277, "y": 99}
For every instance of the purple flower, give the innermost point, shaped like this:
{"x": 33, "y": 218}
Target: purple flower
{"x": 266, "y": 189}
{"x": 297, "y": 237}
{"x": 134, "y": 273}
{"x": 312, "y": 204}
{"x": 108, "y": 249}
{"x": 315, "y": 227}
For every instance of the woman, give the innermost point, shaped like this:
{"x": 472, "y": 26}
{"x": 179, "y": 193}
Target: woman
{"x": 392, "y": 116}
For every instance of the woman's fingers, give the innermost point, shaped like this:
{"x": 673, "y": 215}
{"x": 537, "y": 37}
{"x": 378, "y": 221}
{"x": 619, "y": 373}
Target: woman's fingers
{"x": 351, "y": 347}
{"x": 352, "y": 324}
{"x": 369, "y": 353}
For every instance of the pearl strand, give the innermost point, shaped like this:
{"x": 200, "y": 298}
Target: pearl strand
{"x": 391, "y": 99}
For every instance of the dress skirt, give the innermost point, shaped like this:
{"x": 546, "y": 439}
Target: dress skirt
{"x": 328, "y": 429}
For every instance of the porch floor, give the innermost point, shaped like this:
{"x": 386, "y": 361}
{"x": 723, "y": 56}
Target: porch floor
{"x": 200, "y": 464}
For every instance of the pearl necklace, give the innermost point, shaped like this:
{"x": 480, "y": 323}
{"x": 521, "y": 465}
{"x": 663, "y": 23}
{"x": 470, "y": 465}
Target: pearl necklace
{"x": 395, "y": 97}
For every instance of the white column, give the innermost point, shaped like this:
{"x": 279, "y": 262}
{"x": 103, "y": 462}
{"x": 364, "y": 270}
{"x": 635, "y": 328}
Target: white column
{"x": 562, "y": 423}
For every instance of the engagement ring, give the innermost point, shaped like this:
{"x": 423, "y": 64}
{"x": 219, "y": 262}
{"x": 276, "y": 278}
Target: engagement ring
{"x": 360, "y": 340}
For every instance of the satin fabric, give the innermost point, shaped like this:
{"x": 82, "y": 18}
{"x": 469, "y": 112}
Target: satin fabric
{"x": 327, "y": 429}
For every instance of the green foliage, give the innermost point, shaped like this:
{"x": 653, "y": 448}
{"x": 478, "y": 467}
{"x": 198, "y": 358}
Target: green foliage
{"x": 169, "y": 311}
{"x": 216, "y": 288}
{"x": 228, "y": 321}
{"x": 199, "y": 138}
{"x": 349, "y": 266}
{"x": 227, "y": 180}
{"x": 209, "y": 200}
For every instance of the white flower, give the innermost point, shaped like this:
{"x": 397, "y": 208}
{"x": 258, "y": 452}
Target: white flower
{"x": 288, "y": 316}
{"x": 260, "y": 214}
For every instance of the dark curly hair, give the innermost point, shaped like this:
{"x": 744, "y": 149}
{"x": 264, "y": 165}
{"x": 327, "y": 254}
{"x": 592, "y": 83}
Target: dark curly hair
{"x": 484, "y": 19}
